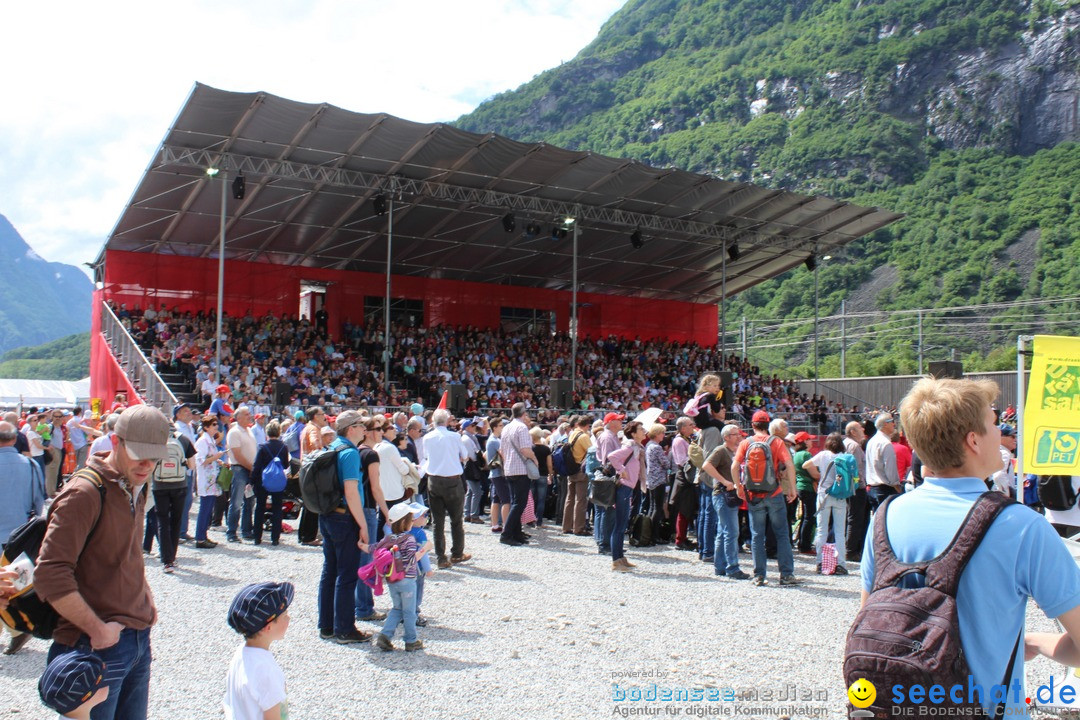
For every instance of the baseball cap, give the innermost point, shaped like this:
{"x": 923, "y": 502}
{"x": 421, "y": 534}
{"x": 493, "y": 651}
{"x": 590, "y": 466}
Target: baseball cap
{"x": 790, "y": 438}
{"x": 145, "y": 432}
{"x": 347, "y": 419}
{"x": 611, "y": 417}
{"x": 178, "y": 407}
{"x": 70, "y": 680}
{"x": 418, "y": 509}
{"x": 467, "y": 423}
{"x": 1006, "y": 430}
{"x": 416, "y": 408}
{"x": 760, "y": 416}
{"x": 399, "y": 511}
{"x": 259, "y": 415}
{"x": 802, "y": 436}
{"x": 256, "y": 606}
{"x": 222, "y": 389}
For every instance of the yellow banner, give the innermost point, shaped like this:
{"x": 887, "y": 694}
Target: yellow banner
{"x": 1052, "y": 414}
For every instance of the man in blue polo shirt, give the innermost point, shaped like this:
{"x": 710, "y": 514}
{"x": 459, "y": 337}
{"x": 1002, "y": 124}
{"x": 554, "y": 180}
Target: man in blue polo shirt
{"x": 950, "y": 424}
{"x": 345, "y": 533}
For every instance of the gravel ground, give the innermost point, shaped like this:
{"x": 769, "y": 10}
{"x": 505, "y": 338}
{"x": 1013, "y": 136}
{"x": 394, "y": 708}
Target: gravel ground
{"x": 543, "y": 631}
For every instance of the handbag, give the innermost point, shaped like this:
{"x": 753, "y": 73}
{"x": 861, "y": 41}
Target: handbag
{"x": 602, "y": 490}
{"x": 532, "y": 470}
{"x": 224, "y": 478}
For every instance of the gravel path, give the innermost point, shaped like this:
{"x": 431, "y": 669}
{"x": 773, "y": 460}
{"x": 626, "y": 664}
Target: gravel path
{"x": 542, "y": 631}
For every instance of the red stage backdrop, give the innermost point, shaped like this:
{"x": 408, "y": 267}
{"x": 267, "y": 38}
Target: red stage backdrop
{"x": 190, "y": 284}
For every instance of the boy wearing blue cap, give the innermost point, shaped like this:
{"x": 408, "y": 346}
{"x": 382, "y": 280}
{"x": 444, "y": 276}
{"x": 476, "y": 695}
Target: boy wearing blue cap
{"x": 74, "y": 684}
{"x": 423, "y": 557}
{"x": 255, "y": 685}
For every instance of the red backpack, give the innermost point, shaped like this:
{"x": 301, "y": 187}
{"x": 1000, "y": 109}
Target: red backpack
{"x": 758, "y": 469}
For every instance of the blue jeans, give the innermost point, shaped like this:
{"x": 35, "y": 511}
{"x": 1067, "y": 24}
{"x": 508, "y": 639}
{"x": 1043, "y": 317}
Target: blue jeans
{"x": 419, "y": 590}
{"x": 621, "y": 513}
{"x": 365, "y": 601}
{"x": 403, "y": 593}
{"x": 877, "y": 494}
{"x": 206, "y": 511}
{"x": 237, "y": 502}
{"x": 706, "y": 522}
{"x": 189, "y": 499}
{"x": 341, "y": 560}
{"x": 603, "y": 522}
{"x": 127, "y": 674}
{"x": 726, "y": 546}
{"x": 473, "y": 498}
{"x": 776, "y": 509}
{"x": 539, "y": 493}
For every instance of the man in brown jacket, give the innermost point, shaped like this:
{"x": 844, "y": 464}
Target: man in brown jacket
{"x": 90, "y": 567}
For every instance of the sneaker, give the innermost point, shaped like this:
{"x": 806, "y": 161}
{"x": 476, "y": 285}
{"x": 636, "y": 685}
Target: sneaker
{"x": 759, "y": 581}
{"x": 739, "y": 575}
{"x": 326, "y": 634}
{"x": 790, "y": 580}
{"x": 421, "y": 621}
{"x": 818, "y": 569}
{"x": 351, "y": 637}
{"x": 234, "y": 539}
{"x": 444, "y": 563}
{"x": 707, "y": 558}
{"x": 383, "y": 643}
{"x": 375, "y": 616}
{"x": 169, "y": 568}
{"x": 620, "y": 567}
{"x": 602, "y": 550}
{"x": 840, "y": 570}
{"x": 410, "y": 646}
{"x": 205, "y": 544}
{"x": 464, "y": 557}
{"x": 186, "y": 538}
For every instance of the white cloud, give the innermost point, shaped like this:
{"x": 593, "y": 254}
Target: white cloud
{"x": 90, "y": 88}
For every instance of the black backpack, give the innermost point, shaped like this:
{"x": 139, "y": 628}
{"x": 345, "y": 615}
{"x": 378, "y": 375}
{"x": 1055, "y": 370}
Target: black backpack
{"x": 1056, "y": 492}
{"x": 26, "y": 612}
{"x": 320, "y": 488}
{"x": 903, "y": 635}
{"x": 641, "y": 531}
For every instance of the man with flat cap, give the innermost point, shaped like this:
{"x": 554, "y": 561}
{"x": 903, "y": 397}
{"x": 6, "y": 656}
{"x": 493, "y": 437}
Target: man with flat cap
{"x": 90, "y": 567}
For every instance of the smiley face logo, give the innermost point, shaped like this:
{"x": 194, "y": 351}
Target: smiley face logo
{"x": 862, "y": 693}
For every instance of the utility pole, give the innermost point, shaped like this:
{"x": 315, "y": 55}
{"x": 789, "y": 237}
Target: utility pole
{"x": 744, "y": 338}
{"x": 920, "y": 344}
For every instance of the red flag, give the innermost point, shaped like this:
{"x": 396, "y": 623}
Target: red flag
{"x": 442, "y": 403}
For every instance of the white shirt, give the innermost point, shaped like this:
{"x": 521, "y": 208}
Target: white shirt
{"x": 881, "y": 461}
{"x": 392, "y": 469}
{"x": 254, "y": 684}
{"x": 1005, "y": 478}
{"x": 443, "y": 453}
{"x": 102, "y": 444}
{"x": 31, "y": 437}
{"x": 241, "y": 441}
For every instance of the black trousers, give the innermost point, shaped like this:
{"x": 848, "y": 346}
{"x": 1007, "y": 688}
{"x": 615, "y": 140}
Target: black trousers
{"x": 808, "y": 524}
{"x": 260, "y": 514}
{"x": 170, "y": 514}
{"x": 656, "y": 507}
{"x": 858, "y": 516}
{"x": 519, "y": 499}
{"x": 446, "y": 497}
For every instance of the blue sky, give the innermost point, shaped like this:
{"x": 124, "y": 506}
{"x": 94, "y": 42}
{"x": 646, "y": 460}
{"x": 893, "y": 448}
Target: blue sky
{"x": 89, "y": 89}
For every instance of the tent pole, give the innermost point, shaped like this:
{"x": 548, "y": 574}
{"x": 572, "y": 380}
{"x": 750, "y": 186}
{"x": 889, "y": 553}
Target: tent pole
{"x": 220, "y": 278}
{"x": 723, "y": 309}
{"x": 386, "y": 317}
{"x": 574, "y": 320}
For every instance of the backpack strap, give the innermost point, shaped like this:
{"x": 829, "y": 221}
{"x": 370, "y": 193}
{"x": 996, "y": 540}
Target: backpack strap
{"x": 942, "y": 572}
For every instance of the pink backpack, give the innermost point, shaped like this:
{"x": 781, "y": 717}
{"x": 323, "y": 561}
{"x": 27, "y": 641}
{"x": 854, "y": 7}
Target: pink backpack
{"x": 691, "y": 409}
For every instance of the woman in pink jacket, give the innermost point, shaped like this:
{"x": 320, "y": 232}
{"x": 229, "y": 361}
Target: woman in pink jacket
{"x": 629, "y": 464}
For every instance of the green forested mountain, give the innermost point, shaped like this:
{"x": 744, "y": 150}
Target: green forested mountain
{"x": 65, "y": 359}
{"x": 960, "y": 113}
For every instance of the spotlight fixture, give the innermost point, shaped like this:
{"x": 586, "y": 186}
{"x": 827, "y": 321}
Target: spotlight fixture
{"x": 532, "y": 230}
{"x": 508, "y": 222}
{"x": 238, "y": 187}
{"x": 212, "y": 171}
{"x": 811, "y": 261}
{"x": 558, "y": 233}
{"x": 379, "y": 204}
{"x": 636, "y": 240}
{"x": 733, "y": 252}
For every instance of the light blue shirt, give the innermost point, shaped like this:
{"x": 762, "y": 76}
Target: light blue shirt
{"x": 22, "y": 486}
{"x": 1021, "y": 556}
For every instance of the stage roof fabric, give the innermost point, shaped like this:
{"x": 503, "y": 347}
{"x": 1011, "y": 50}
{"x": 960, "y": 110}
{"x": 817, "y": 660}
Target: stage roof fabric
{"x": 313, "y": 172}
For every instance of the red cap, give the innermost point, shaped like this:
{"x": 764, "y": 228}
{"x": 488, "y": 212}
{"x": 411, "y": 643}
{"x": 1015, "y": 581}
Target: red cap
{"x": 222, "y": 388}
{"x": 611, "y": 417}
{"x": 802, "y": 436}
{"x": 259, "y": 415}
{"x": 760, "y": 416}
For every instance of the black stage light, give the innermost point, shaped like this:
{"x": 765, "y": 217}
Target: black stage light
{"x": 508, "y": 222}
{"x": 379, "y": 204}
{"x": 558, "y": 232}
{"x": 532, "y": 230}
{"x": 811, "y": 262}
{"x": 733, "y": 252}
{"x": 238, "y": 187}
{"x": 636, "y": 240}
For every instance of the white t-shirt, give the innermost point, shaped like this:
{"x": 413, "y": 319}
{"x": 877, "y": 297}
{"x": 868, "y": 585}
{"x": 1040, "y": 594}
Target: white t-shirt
{"x": 31, "y": 438}
{"x": 254, "y": 685}
{"x": 102, "y": 444}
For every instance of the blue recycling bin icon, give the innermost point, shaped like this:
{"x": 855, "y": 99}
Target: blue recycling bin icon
{"x": 1057, "y": 447}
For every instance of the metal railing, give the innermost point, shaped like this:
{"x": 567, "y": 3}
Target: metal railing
{"x": 127, "y": 352}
